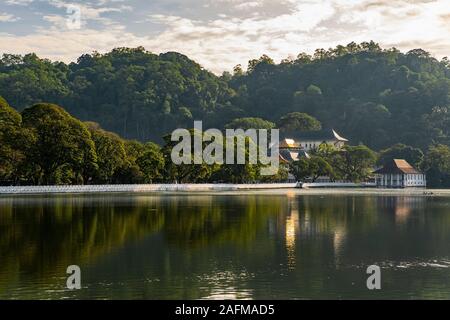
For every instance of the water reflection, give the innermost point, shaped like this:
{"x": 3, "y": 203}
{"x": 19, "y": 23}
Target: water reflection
{"x": 224, "y": 246}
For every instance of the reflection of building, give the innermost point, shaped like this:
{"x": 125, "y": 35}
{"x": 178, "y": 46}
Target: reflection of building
{"x": 398, "y": 173}
{"x": 403, "y": 207}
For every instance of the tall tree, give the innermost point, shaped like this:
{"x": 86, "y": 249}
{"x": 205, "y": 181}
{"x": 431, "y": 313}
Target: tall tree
{"x": 14, "y": 143}
{"x": 354, "y": 163}
{"x": 437, "y": 165}
{"x": 111, "y": 154}
{"x": 250, "y": 123}
{"x": 151, "y": 162}
{"x": 62, "y": 143}
{"x": 413, "y": 155}
{"x": 297, "y": 121}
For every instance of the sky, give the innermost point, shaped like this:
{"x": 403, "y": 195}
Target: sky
{"x": 220, "y": 34}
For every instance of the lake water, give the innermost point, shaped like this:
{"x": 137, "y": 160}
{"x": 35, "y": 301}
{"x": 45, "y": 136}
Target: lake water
{"x": 290, "y": 244}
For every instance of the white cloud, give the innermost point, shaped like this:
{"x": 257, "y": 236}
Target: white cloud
{"x": 19, "y": 2}
{"x": 6, "y": 17}
{"x": 219, "y": 42}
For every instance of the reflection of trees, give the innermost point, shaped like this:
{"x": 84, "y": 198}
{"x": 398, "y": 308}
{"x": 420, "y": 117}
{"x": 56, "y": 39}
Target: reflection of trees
{"x": 322, "y": 215}
{"x": 39, "y": 235}
{"x": 217, "y": 241}
{"x": 376, "y": 227}
{"x": 204, "y": 220}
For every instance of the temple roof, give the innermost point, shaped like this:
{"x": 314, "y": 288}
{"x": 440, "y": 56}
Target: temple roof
{"x": 397, "y": 166}
{"x": 321, "y": 135}
{"x": 289, "y": 156}
{"x": 288, "y": 143}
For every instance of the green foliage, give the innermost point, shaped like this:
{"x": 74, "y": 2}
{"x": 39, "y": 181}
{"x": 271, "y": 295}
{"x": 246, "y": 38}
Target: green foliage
{"x": 14, "y": 143}
{"x": 373, "y": 96}
{"x": 437, "y": 166}
{"x": 352, "y": 163}
{"x": 111, "y": 154}
{"x": 280, "y": 177}
{"x": 61, "y": 140}
{"x": 437, "y": 126}
{"x": 250, "y": 123}
{"x": 414, "y": 156}
{"x": 311, "y": 168}
{"x": 297, "y": 121}
{"x": 189, "y": 172}
{"x": 151, "y": 162}
{"x": 378, "y": 97}
{"x": 300, "y": 169}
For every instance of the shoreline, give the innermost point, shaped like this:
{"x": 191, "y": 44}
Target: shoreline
{"x": 141, "y": 188}
{"x": 270, "y": 188}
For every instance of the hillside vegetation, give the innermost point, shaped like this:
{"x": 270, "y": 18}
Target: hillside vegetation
{"x": 90, "y": 121}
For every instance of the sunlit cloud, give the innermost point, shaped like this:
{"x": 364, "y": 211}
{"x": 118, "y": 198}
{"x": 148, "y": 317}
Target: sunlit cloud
{"x": 5, "y": 17}
{"x": 222, "y": 33}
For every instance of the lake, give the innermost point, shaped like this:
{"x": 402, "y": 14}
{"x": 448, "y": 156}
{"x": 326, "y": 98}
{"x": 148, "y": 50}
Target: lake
{"x": 290, "y": 244}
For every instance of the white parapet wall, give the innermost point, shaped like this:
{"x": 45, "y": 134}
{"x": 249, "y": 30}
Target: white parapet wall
{"x": 338, "y": 185}
{"x": 141, "y": 188}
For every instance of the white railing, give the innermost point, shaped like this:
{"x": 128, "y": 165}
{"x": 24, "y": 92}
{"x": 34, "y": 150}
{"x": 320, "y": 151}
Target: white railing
{"x": 338, "y": 185}
{"x": 141, "y": 188}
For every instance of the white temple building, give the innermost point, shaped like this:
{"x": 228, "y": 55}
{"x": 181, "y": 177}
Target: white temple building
{"x": 398, "y": 173}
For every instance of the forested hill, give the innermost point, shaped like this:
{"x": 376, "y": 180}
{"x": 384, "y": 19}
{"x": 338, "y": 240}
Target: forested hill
{"x": 371, "y": 95}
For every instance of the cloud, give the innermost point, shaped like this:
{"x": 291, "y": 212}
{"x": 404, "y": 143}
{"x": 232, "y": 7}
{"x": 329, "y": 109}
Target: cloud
{"x": 220, "y": 43}
{"x": 5, "y": 17}
{"x": 221, "y": 39}
{"x": 18, "y": 2}
{"x": 89, "y": 12}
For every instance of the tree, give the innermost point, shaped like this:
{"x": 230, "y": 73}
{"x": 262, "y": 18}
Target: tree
{"x": 297, "y": 121}
{"x": 312, "y": 168}
{"x": 414, "y": 156}
{"x": 378, "y": 97}
{"x": 130, "y": 172}
{"x": 437, "y": 165}
{"x": 320, "y": 167}
{"x": 151, "y": 162}
{"x": 281, "y": 175}
{"x": 354, "y": 163}
{"x": 250, "y": 123}
{"x": 111, "y": 154}
{"x": 235, "y": 172}
{"x": 263, "y": 61}
{"x": 14, "y": 143}
{"x": 63, "y": 144}
{"x": 300, "y": 169}
{"x": 186, "y": 172}
{"x": 437, "y": 126}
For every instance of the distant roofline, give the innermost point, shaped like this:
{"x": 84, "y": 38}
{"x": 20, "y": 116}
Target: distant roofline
{"x": 318, "y": 136}
{"x": 397, "y": 166}
{"x": 338, "y": 136}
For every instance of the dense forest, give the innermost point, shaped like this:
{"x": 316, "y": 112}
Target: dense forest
{"x": 397, "y": 104}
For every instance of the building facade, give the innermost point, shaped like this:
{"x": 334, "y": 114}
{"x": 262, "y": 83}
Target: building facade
{"x": 398, "y": 173}
{"x": 296, "y": 145}
{"x": 311, "y": 140}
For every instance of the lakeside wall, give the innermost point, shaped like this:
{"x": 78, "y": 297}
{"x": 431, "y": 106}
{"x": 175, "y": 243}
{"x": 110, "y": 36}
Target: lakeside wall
{"x": 338, "y": 185}
{"x": 141, "y": 188}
